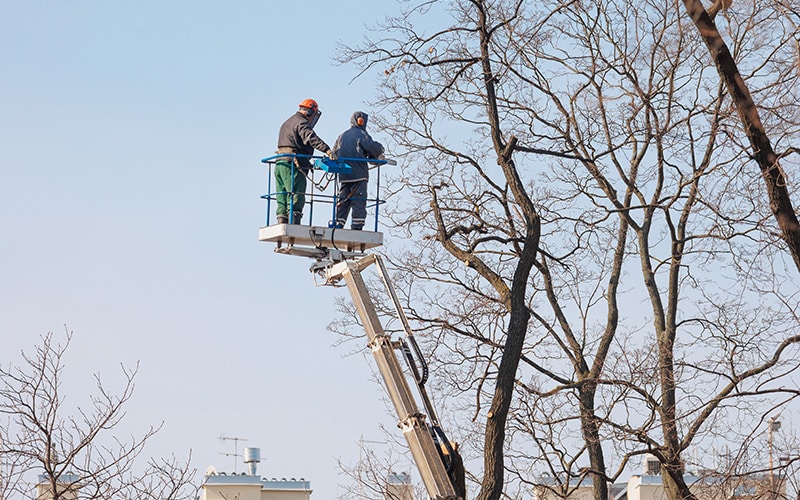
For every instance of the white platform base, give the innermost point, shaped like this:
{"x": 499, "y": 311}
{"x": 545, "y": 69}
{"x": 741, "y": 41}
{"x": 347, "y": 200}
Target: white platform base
{"x": 298, "y": 235}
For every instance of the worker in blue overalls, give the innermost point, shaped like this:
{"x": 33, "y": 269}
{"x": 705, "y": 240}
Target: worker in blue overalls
{"x": 297, "y": 136}
{"x": 355, "y": 143}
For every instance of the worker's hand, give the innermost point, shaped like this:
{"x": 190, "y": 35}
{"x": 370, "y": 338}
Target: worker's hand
{"x": 331, "y": 155}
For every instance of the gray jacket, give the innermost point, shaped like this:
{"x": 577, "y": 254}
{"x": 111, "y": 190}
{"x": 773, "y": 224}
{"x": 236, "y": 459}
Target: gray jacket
{"x": 297, "y": 136}
{"x": 355, "y": 142}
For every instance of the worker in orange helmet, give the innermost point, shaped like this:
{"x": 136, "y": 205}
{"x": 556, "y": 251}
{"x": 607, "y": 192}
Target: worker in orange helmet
{"x": 297, "y": 136}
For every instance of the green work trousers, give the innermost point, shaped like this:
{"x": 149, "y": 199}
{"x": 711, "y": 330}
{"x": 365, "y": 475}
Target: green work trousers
{"x": 290, "y": 189}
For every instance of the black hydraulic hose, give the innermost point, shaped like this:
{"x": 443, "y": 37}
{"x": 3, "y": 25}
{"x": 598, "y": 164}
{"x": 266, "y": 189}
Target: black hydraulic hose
{"x": 446, "y": 451}
{"x": 333, "y": 233}
{"x": 420, "y": 358}
{"x": 406, "y": 326}
{"x": 420, "y": 378}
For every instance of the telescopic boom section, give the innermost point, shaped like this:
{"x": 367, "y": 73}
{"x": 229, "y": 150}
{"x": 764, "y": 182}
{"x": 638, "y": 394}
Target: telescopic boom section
{"x": 411, "y": 421}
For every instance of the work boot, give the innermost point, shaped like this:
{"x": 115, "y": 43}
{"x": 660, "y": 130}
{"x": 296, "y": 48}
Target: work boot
{"x": 282, "y": 219}
{"x": 297, "y": 218}
{"x": 356, "y": 228}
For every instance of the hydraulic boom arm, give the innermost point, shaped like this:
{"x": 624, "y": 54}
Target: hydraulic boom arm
{"x": 417, "y": 432}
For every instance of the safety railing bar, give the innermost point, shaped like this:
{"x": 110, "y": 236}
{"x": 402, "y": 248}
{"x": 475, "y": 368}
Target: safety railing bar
{"x": 320, "y": 197}
{"x": 274, "y": 158}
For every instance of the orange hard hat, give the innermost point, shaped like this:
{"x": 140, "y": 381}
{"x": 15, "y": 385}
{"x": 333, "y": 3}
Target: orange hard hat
{"x": 309, "y": 104}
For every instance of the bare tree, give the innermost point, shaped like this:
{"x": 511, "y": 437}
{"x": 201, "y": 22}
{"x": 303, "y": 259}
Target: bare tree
{"x": 763, "y": 153}
{"x": 591, "y": 261}
{"x": 77, "y": 452}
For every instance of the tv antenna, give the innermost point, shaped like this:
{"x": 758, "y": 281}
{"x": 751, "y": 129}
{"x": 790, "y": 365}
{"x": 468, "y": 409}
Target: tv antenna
{"x": 235, "y": 449}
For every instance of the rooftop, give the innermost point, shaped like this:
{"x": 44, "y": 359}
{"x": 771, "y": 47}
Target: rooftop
{"x": 220, "y": 478}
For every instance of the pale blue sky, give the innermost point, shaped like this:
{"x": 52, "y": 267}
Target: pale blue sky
{"x": 130, "y": 140}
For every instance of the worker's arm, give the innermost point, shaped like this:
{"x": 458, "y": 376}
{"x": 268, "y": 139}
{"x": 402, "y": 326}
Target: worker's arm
{"x": 312, "y": 139}
{"x": 374, "y": 149}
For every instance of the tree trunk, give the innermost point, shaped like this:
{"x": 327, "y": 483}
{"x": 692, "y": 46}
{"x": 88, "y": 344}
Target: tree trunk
{"x": 591, "y": 436}
{"x": 779, "y": 201}
{"x": 493, "y": 465}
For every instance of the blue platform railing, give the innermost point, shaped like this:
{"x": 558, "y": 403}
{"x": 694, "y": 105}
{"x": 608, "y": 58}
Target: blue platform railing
{"x": 330, "y": 167}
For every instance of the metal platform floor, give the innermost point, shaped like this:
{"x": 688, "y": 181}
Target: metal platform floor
{"x": 320, "y": 237}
